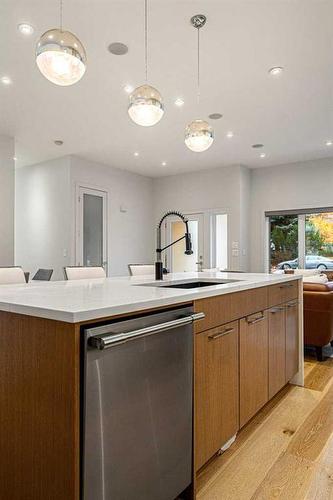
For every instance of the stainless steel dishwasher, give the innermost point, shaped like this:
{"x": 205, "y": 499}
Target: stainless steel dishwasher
{"x": 138, "y": 406}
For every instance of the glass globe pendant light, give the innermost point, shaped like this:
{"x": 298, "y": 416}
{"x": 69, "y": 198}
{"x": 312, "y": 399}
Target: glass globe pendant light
{"x": 60, "y": 56}
{"x": 146, "y": 103}
{"x": 199, "y": 135}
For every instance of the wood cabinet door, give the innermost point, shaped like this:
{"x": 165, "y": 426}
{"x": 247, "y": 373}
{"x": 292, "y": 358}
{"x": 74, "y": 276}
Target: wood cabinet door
{"x": 253, "y": 345}
{"x": 276, "y": 349}
{"x": 216, "y": 390}
{"x": 292, "y": 340}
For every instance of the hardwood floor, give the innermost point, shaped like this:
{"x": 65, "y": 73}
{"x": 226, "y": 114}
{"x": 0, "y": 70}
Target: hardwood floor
{"x": 285, "y": 451}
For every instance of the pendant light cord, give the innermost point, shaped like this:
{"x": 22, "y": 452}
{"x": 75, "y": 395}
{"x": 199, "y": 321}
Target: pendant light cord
{"x": 61, "y": 15}
{"x": 146, "y": 40}
{"x": 198, "y": 82}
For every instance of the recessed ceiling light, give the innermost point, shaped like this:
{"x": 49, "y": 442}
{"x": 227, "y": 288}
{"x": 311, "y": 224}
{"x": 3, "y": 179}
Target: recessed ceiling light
{"x": 230, "y": 134}
{"x": 276, "y": 71}
{"x": 118, "y": 48}
{"x": 179, "y": 102}
{"x": 136, "y": 153}
{"x": 128, "y": 88}
{"x": 25, "y": 29}
{"x": 329, "y": 143}
{"x": 58, "y": 142}
{"x": 164, "y": 163}
{"x": 6, "y": 80}
{"x": 257, "y": 146}
{"x": 263, "y": 155}
{"x": 215, "y": 116}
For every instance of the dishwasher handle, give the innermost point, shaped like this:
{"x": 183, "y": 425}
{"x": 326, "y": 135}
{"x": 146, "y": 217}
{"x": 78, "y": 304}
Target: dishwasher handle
{"x": 111, "y": 339}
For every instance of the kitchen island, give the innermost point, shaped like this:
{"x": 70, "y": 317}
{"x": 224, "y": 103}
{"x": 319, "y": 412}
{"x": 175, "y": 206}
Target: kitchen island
{"x": 248, "y": 346}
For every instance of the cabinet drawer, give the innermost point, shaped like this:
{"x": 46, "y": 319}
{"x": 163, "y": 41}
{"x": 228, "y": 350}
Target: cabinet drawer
{"x": 225, "y": 308}
{"x": 282, "y": 292}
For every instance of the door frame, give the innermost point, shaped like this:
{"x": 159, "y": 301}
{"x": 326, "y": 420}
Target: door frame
{"x": 208, "y": 237}
{"x": 211, "y": 219}
{"x": 80, "y": 190}
{"x": 167, "y": 234}
{"x": 301, "y": 250}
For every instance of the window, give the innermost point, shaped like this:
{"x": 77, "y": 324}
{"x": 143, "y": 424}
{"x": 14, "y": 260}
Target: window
{"x": 221, "y": 241}
{"x": 301, "y": 240}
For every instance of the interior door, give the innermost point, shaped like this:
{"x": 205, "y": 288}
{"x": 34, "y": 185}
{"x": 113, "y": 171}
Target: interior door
{"x": 91, "y": 241}
{"x": 175, "y": 259}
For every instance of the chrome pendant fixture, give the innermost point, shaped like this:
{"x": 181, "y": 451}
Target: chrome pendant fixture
{"x": 199, "y": 135}
{"x": 146, "y": 103}
{"x": 60, "y": 56}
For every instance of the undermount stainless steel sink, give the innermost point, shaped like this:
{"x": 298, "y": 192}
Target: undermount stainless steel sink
{"x": 198, "y": 283}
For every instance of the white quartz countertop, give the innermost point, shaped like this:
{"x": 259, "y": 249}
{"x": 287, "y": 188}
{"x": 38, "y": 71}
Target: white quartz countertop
{"x": 83, "y": 300}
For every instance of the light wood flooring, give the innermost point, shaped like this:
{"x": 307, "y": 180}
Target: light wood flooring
{"x": 286, "y": 451}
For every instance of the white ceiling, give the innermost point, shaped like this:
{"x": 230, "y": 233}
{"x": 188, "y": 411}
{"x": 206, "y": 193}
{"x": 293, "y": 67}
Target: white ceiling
{"x": 291, "y": 115}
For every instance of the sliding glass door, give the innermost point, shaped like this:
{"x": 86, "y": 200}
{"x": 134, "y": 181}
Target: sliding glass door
{"x": 303, "y": 240}
{"x": 283, "y": 242}
{"x": 319, "y": 241}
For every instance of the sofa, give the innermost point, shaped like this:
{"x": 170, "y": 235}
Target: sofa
{"x": 318, "y": 315}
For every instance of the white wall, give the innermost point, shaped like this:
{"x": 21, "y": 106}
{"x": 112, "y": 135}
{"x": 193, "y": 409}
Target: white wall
{"x": 45, "y": 214}
{"x": 45, "y": 207}
{"x": 7, "y": 200}
{"x": 298, "y": 185}
{"x": 220, "y": 188}
{"x": 42, "y": 216}
{"x": 131, "y": 232}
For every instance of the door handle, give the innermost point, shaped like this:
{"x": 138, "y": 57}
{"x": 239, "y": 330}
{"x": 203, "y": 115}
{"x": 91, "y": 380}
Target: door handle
{"x": 111, "y": 339}
{"x": 276, "y": 310}
{"x": 287, "y": 285}
{"x": 200, "y": 264}
{"x": 221, "y": 334}
{"x": 294, "y": 304}
{"x": 255, "y": 320}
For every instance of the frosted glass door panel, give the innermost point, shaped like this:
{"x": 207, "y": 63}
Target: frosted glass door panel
{"x": 92, "y": 230}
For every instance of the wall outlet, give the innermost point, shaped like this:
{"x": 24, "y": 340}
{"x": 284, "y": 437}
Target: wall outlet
{"x": 234, "y": 245}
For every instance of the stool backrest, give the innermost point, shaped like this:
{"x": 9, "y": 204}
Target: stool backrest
{"x": 81, "y": 273}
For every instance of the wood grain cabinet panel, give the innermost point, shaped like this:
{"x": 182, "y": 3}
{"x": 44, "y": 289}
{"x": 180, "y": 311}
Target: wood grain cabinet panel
{"x": 276, "y": 349}
{"x": 39, "y": 409}
{"x": 253, "y": 370}
{"x": 292, "y": 340}
{"x": 225, "y": 308}
{"x": 216, "y": 389}
{"x": 282, "y": 292}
